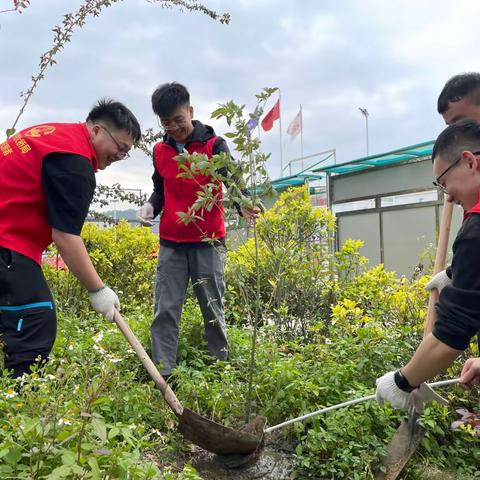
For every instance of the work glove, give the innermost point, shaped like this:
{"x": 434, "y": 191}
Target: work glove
{"x": 439, "y": 281}
{"x": 388, "y": 391}
{"x": 145, "y": 214}
{"x": 104, "y": 301}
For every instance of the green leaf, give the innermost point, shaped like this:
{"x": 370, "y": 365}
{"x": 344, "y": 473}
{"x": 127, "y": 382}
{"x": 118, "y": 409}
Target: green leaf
{"x": 64, "y": 471}
{"x": 30, "y": 425}
{"x": 99, "y": 429}
{"x": 68, "y": 457}
{"x": 14, "y": 455}
{"x": 96, "y": 473}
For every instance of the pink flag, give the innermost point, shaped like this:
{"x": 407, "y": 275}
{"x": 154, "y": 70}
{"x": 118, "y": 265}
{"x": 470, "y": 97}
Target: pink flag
{"x": 296, "y": 126}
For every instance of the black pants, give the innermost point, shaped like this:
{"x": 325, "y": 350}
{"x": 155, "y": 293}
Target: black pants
{"x": 28, "y": 322}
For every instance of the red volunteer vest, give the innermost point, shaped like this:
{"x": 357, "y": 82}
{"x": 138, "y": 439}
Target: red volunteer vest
{"x": 474, "y": 209}
{"x": 24, "y": 226}
{"x": 181, "y": 193}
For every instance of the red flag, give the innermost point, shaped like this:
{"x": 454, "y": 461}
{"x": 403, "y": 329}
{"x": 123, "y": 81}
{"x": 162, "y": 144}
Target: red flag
{"x": 271, "y": 116}
{"x": 296, "y": 126}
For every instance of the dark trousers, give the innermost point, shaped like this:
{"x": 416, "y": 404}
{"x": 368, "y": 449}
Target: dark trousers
{"x": 28, "y": 322}
{"x": 176, "y": 267}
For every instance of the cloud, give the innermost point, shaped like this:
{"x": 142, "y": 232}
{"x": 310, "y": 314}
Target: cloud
{"x": 332, "y": 57}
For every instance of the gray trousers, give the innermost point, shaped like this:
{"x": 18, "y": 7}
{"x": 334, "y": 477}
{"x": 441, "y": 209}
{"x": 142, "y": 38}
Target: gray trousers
{"x": 204, "y": 266}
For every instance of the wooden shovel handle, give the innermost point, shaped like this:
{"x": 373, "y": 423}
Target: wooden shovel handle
{"x": 160, "y": 382}
{"x": 440, "y": 258}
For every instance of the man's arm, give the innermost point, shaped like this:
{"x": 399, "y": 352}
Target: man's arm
{"x": 431, "y": 358}
{"x": 69, "y": 182}
{"x": 157, "y": 198}
{"x": 457, "y": 311}
{"x": 458, "y": 319}
{"x": 73, "y": 251}
{"x": 154, "y": 205}
{"x": 471, "y": 373}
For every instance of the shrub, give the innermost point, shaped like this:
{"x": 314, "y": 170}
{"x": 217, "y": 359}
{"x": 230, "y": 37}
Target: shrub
{"x": 125, "y": 257}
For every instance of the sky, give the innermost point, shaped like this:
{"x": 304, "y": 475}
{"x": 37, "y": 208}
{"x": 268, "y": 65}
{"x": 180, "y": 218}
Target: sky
{"x": 331, "y": 56}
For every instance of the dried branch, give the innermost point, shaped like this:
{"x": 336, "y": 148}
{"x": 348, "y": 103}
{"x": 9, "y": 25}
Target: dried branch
{"x": 71, "y": 21}
{"x": 17, "y": 6}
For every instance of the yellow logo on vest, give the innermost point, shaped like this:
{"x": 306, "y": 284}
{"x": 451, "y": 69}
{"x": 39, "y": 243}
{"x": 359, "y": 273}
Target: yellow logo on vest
{"x": 40, "y": 130}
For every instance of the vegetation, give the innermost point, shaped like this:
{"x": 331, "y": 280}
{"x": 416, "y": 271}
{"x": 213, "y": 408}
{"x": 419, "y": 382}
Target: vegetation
{"x": 92, "y": 412}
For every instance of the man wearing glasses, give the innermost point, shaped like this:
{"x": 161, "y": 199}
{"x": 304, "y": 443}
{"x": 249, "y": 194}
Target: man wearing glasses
{"x": 47, "y": 181}
{"x": 456, "y": 165}
{"x": 459, "y": 99}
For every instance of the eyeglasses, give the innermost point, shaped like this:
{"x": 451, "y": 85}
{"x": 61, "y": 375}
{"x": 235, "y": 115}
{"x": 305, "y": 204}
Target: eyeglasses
{"x": 121, "y": 153}
{"x": 171, "y": 124}
{"x": 437, "y": 183}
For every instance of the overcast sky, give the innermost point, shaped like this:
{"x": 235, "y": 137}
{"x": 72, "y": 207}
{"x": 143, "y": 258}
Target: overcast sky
{"x": 332, "y": 56}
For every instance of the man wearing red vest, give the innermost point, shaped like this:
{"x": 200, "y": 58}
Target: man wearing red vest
{"x": 47, "y": 181}
{"x": 184, "y": 253}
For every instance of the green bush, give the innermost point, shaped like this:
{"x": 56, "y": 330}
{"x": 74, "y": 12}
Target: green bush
{"x": 293, "y": 262}
{"x": 89, "y": 413}
{"x": 329, "y": 327}
{"x": 125, "y": 257}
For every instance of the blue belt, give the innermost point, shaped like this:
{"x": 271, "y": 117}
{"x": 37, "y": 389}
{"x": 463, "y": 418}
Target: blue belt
{"x": 15, "y": 308}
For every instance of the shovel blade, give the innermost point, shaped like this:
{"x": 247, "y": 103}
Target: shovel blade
{"x": 402, "y": 446}
{"x": 216, "y": 438}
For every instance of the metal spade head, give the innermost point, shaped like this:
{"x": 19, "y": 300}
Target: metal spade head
{"x": 216, "y": 438}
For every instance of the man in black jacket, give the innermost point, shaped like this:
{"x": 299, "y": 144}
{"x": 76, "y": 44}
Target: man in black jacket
{"x": 456, "y": 166}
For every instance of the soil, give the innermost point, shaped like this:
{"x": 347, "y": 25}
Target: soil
{"x": 273, "y": 461}
{"x": 268, "y": 464}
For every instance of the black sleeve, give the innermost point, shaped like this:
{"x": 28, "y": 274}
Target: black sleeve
{"x": 157, "y": 198}
{"x": 69, "y": 183}
{"x": 458, "y": 308}
{"x": 220, "y": 146}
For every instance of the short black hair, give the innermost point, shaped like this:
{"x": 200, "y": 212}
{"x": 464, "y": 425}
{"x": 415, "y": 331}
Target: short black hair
{"x": 168, "y": 97}
{"x": 458, "y": 87}
{"x": 460, "y": 136}
{"x": 117, "y": 116}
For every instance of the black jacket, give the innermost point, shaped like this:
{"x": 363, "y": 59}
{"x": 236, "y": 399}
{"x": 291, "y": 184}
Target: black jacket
{"x": 458, "y": 307}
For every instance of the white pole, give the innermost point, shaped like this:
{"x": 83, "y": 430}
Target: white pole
{"x": 442, "y": 383}
{"x": 365, "y": 114}
{"x": 280, "y": 126}
{"x": 366, "y": 121}
{"x": 301, "y": 134}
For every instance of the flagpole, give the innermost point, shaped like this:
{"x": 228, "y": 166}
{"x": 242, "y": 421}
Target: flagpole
{"x": 301, "y": 134}
{"x": 280, "y": 126}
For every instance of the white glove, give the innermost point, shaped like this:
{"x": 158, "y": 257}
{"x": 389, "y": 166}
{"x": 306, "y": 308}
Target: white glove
{"x": 104, "y": 301}
{"x": 145, "y": 214}
{"x": 424, "y": 394}
{"x": 439, "y": 281}
{"x": 387, "y": 391}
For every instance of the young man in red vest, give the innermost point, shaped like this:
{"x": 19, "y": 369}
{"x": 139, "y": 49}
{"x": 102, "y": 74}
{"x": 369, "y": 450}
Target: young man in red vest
{"x": 184, "y": 253}
{"x": 47, "y": 180}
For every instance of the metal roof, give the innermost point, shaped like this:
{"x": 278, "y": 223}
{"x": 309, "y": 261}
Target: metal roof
{"x": 295, "y": 180}
{"x": 395, "y": 156}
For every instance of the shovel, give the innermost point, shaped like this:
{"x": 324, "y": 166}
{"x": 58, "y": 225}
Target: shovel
{"x": 197, "y": 429}
{"x": 409, "y": 434}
